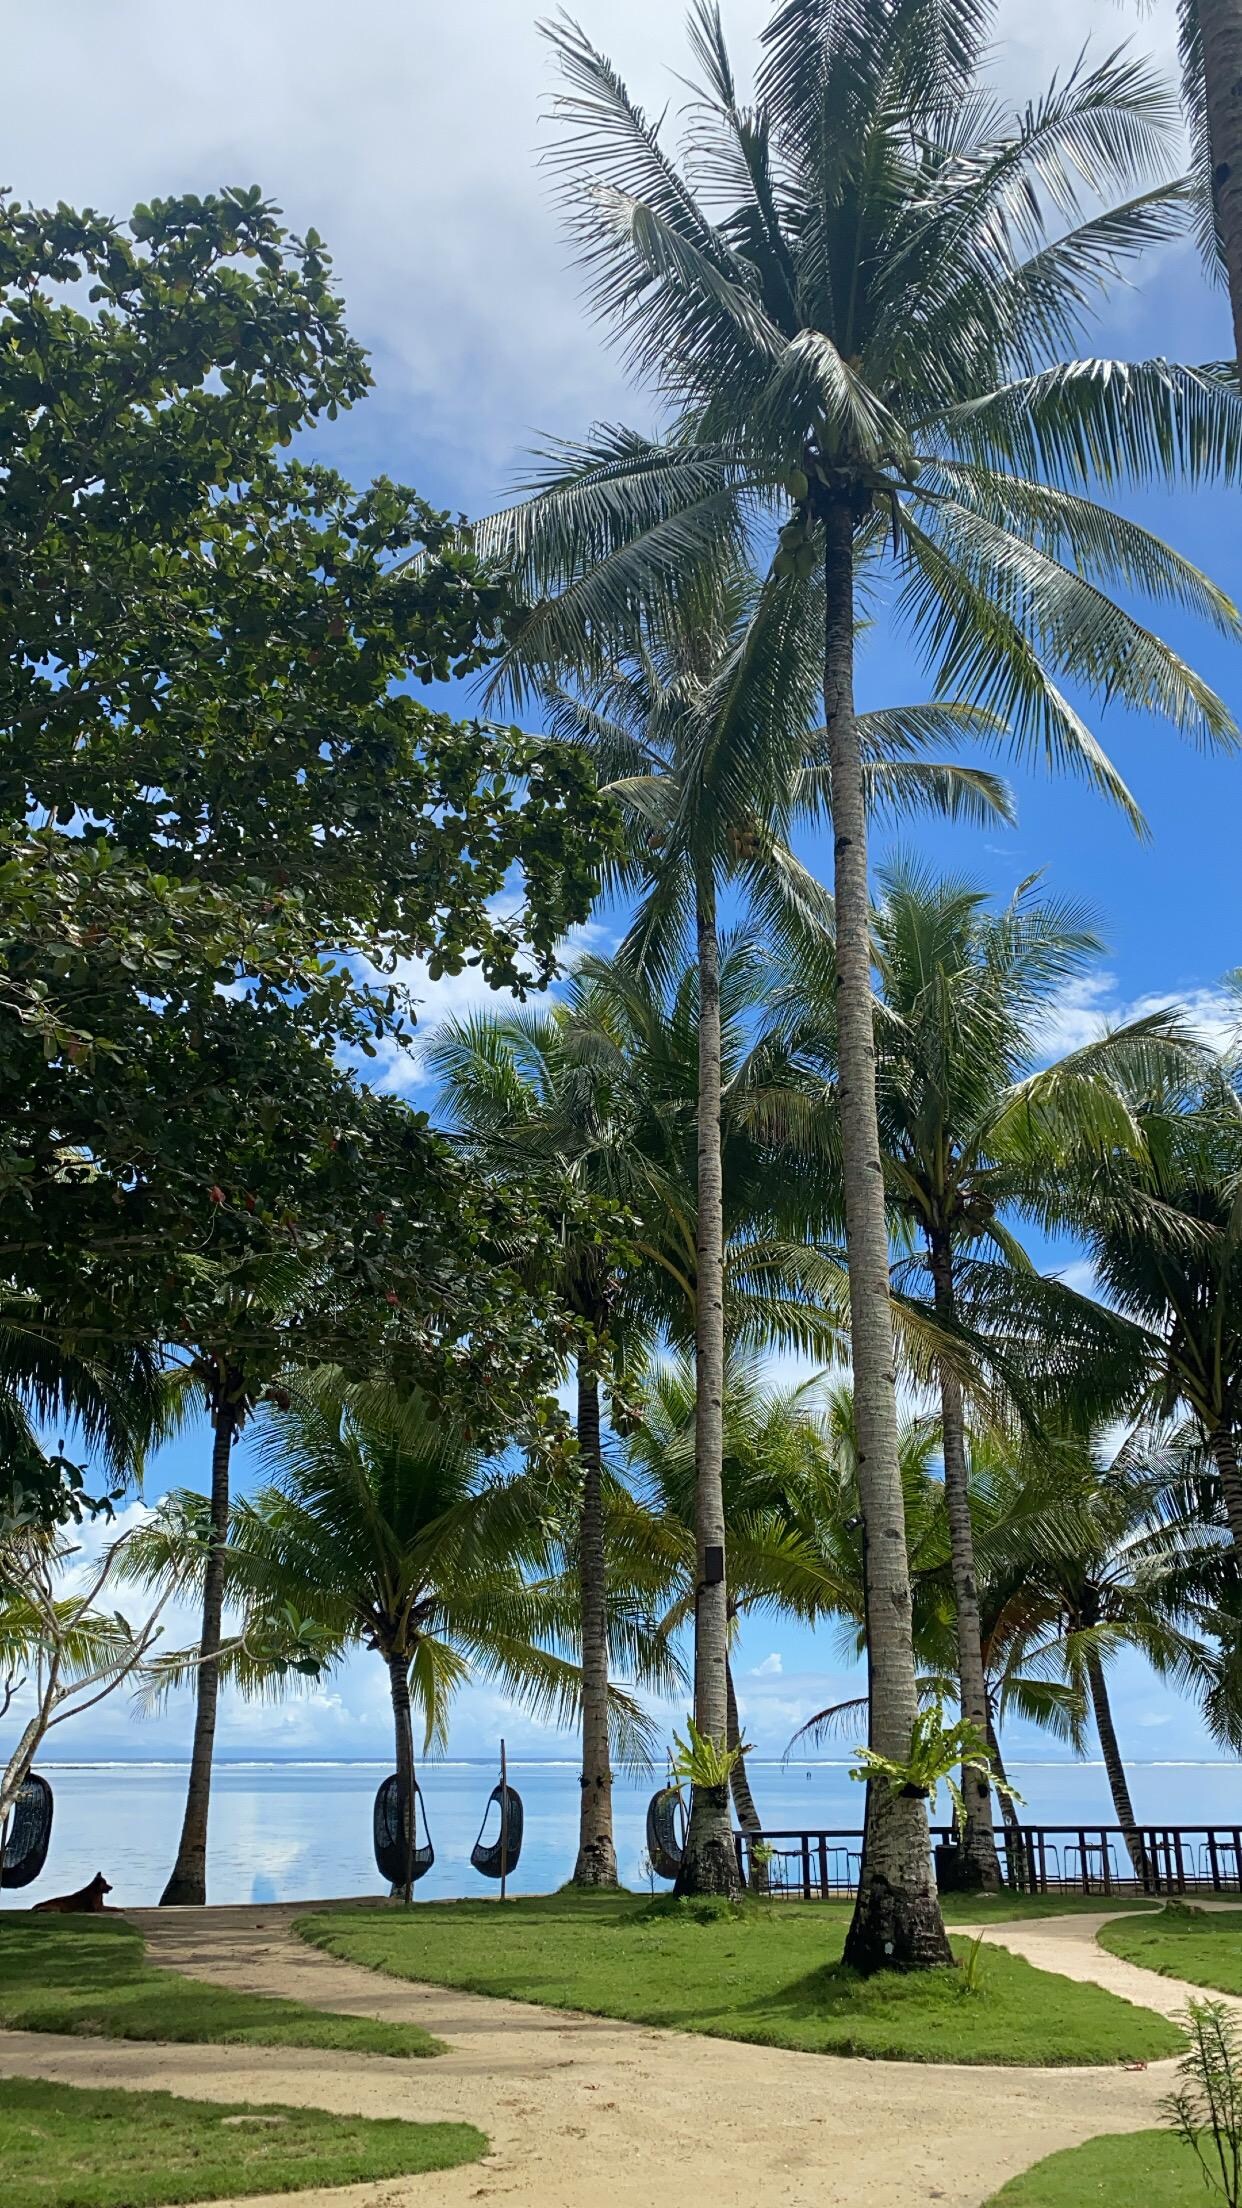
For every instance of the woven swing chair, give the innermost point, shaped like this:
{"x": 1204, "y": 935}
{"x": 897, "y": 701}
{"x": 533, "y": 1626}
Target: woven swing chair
{"x": 666, "y": 1832}
{"x": 488, "y": 1857}
{"x": 27, "y": 1834}
{"x": 392, "y": 1858}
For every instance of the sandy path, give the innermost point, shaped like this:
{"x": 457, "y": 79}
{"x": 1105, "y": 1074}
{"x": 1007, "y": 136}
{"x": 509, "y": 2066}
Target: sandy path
{"x": 1068, "y": 1945}
{"x": 585, "y": 2113}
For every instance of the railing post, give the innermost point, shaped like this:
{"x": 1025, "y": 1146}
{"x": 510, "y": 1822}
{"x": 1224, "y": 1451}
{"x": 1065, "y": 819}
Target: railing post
{"x": 1105, "y": 1868}
{"x": 1178, "y": 1858}
{"x": 806, "y": 1866}
{"x": 1084, "y": 1864}
{"x": 739, "y": 1850}
{"x": 1213, "y": 1859}
{"x": 823, "y": 1866}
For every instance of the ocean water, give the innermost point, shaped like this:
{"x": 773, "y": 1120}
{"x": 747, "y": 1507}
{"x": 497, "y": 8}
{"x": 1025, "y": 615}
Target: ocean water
{"x": 292, "y": 1831}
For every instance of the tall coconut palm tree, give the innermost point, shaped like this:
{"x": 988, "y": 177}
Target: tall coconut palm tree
{"x": 603, "y": 1086}
{"x": 700, "y": 728}
{"x": 772, "y": 1448}
{"x": 853, "y": 296}
{"x": 972, "y": 1137}
{"x": 515, "y": 1082}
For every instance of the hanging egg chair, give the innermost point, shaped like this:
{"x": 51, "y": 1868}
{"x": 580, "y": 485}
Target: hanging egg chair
{"x": 490, "y": 1857}
{"x": 393, "y": 1859}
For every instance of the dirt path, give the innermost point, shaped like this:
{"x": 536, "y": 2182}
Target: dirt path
{"x": 1069, "y": 1945}
{"x": 584, "y": 2113}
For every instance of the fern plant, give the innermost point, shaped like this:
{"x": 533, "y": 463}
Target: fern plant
{"x": 938, "y": 1751}
{"x": 700, "y": 1762}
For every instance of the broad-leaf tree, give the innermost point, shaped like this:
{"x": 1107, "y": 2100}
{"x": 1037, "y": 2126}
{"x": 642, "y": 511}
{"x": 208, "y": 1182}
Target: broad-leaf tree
{"x": 219, "y": 789}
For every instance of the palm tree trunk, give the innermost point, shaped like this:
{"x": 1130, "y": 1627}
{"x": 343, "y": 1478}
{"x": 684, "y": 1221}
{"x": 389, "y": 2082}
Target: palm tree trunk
{"x": 982, "y": 1864}
{"x": 897, "y": 1922}
{"x": 407, "y": 1798}
{"x": 187, "y": 1881}
{"x": 709, "y": 1865}
{"x": 1220, "y": 22}
{"x": 1225, "y": 1457}
{"x": 1114, "y": 1768}
{"x": 739, "y": 1781}
{"x": 1009, "y": 1809}
{"x": 596, "y": 1864}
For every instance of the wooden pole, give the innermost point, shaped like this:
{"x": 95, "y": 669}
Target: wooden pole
{"x": 504, "y": 1823}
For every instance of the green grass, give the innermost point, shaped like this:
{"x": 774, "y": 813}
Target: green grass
{"x": 1014, "y": 1908}
{"x": 64, "y": 2146}
{"x": 770, "y": 1974}
{"x": 90, "y": 1974}
{"x": 1155, "y": 2168}
{"x": 1203, "y": 1947}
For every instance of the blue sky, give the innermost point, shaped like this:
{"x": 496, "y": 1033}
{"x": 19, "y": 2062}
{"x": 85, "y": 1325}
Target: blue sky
{"x": 457, "y": 279}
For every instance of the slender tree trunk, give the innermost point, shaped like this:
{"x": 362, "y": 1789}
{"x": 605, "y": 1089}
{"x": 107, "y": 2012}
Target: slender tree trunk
{"x": 1221, "y": 25}
{"x": 1114, "y": 1768}
{"x": 739, "y": 1786}
{"x": 897, "y": 1922}
{"x": 982, "y": 1864}
{"x": 1009, "y": 1810}
{"x": 709, "y": 1865}
{"x": 597, "y": 1860}
{"x": 407, "y": 1798}
{"x": 17, "y": 1770}
{"x": 1224, "y": 1450}
{"x": 187, "y": 1882}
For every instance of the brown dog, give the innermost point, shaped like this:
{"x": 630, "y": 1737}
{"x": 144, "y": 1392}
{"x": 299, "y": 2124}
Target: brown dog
{"x": 88, "y": 1899}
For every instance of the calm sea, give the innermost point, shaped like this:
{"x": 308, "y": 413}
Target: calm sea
{"x": 291, "y": 1831}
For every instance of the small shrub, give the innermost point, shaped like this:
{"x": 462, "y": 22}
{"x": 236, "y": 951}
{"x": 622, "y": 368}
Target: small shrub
{"x": 698, "y": 1909}
{"x": 971, "y": 1975}
{"x": 1206, "y": 2109}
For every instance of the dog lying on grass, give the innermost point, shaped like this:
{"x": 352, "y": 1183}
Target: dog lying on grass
{"x": 88, "y": 1900}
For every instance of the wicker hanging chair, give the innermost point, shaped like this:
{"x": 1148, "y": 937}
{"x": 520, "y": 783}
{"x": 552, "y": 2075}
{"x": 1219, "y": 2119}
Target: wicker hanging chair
{"x": 666, "y": 1832}
{"x": 486, "y": 1856}
{"x": 390, "y": 1839}
{"x": 27, "y": 1834}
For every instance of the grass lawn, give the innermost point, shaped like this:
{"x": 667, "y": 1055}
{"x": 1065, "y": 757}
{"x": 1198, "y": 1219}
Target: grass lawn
{"x": 1204, "y": 1947}
{"x": 62, "y": 2146}
{"x": 769, "y": 1974}
{"x": 1115, "y": 2171}
{"x": 90, "y": 1974}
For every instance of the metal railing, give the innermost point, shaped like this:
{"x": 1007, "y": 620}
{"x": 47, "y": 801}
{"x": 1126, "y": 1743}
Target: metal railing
{"x": 1035, "y": 1859}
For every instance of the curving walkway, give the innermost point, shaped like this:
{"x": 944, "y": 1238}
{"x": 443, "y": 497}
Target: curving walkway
{"x": 587, "y": 2113}
{"x": 1069, "y": 1945}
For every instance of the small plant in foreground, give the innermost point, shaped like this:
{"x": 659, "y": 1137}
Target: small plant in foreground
{"x": 1206, "y": 2109}
{"x": 937, "y": 1751}
{"x": 971, "y": 1979}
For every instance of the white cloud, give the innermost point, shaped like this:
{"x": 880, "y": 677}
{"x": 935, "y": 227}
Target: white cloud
{"x": 1079, "y": 1275}
{"x": 1086, "y": 1007}
{"x": 401, "y": 1069}
{"x": 407, "y": 134}
{"x": 771, "y": 1667}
